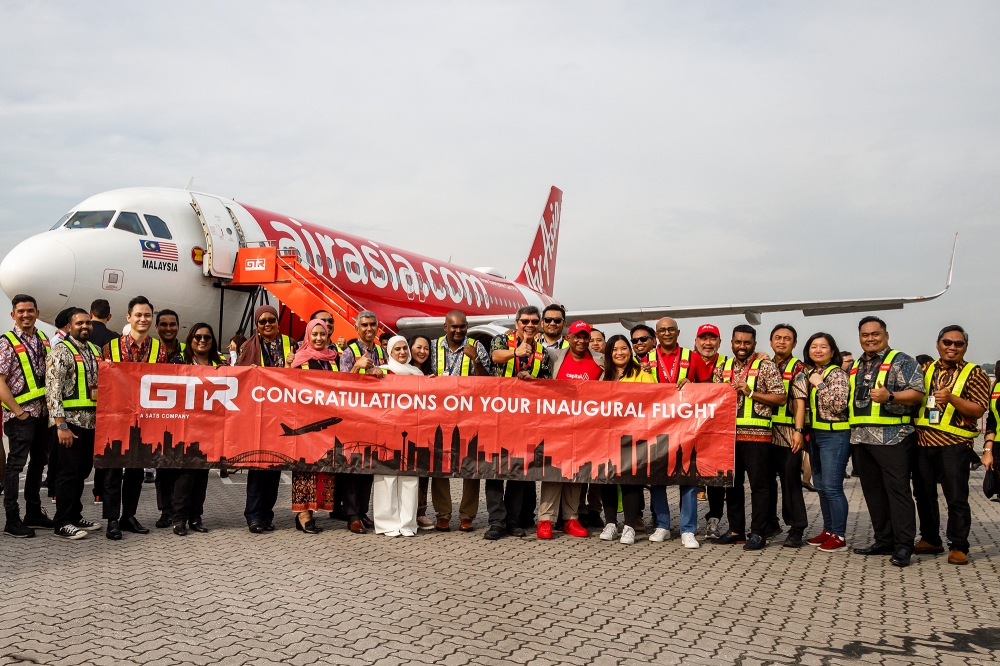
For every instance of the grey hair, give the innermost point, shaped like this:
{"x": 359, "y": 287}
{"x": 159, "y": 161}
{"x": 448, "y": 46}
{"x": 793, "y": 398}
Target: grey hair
{"x": 366, "y": 314}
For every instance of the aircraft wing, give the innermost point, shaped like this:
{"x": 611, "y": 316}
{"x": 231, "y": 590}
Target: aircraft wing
{"x": 752, "y": 311}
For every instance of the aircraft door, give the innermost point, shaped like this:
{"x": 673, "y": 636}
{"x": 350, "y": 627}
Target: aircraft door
{"x": 222, "y": 236}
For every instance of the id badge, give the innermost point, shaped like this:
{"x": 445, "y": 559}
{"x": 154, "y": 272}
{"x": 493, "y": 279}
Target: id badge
{"x": 931, "y": 402}
{"x": 934, "y": 416}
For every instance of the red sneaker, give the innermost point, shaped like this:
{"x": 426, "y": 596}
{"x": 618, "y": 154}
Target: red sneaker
{"x": 819, "y": 539}
{"x": 833, "y": 544}
{"x": 544, "y": 529}
{"x": 573, "y": 527}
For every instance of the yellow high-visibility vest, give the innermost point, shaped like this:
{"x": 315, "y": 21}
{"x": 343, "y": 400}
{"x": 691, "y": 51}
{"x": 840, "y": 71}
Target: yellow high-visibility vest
{"x": 781, "y": 414}
{"x": 357, "y": 354}
{"x": 949, "y": 412}
{"x": 286, "y": 349}
{"x": 746, "y": 417}
{"x": 536, "y": 357}
{"x": 442, "y": 348}
{"x": 816, "y": 422}
{"x": 83, "y": 398}
{"x": 873, "y": 414}
{"x": 116, "y": 350}
{"x": 34, "y": 385}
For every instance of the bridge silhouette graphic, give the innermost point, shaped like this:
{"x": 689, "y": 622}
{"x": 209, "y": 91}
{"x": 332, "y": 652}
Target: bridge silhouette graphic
{"x": 260, "y": 457}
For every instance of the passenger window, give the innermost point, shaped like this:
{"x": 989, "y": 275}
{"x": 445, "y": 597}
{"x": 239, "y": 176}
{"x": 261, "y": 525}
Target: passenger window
{"x": 158, "y": 227}
{"x": 130, "y": 222}
{"x": 98, "y": 219}
{"x": 62, "y": 221}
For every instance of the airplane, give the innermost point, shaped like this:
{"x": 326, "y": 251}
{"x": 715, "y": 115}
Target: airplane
{"x": 312, "y": 427}
{"x": 181, "y": 249}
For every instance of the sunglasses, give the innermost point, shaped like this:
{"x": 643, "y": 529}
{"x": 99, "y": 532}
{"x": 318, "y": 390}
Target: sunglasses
{"x": 953, "y": 343}
{"x": 645, "y": 338}
{"x": 267, "y": 320}
{"x": 528, "y": 322}
{"x": 202, "y": 338}
{"x": 553, "y": 320}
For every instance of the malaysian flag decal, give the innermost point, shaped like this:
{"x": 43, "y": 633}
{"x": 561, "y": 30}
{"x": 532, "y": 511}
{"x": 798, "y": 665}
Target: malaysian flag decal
{"x": 158, "y": 250}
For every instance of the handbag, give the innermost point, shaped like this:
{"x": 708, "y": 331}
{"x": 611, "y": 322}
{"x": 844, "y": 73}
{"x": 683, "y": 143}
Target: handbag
{"x": 991, "y": 483}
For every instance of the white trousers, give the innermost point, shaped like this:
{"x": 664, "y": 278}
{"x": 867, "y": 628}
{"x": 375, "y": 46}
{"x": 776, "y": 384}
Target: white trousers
{"x": 394, "y": 499}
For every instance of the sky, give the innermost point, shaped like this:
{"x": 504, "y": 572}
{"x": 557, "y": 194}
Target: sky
{"x": 708, "y": 152}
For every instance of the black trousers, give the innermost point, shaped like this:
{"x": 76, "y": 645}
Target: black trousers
{"x": 98, "y": 483}
{"x": 751, "y": 462}
{"x": 72, "y": 464}
{"x": 948, "y": 465}
{"x": 262, "y": 495}
{"x": 884, "y": 472}
{"x": 609, "y": 500}
{"x": 786, "y": 467}
{"x": 529, "y": 502}
{"x": 188, "y": 496}
{"x": 357, "y": 494}
{"x": 165, "y": 479}
{"x": 122, "y": 488}
{"x": 503, "y": 506}
{"x": 716, "y": 502}
{"x": 29, "y": 445}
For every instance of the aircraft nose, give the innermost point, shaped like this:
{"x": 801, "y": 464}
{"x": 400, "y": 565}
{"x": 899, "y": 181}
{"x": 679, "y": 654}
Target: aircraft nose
{"x": 43, "y": 268}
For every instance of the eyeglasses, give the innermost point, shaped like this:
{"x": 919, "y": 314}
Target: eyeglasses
{"x": 202, "y": 338}
{"x": 958, "y": 344}
{"x": 645, "y": 338}
{"x": 528, "y": 322}
{"x": 267, "y": 320}
{"x": 553, "y": 320}
{"x": 671, "y": 329}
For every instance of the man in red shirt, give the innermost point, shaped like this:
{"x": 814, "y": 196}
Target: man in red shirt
{"x": 573, "y": 362}
{"x": 707, "y": 342}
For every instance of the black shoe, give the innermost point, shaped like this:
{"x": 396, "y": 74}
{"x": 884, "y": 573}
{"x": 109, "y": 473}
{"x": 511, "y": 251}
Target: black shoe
{"x": 900, "y": 558}
{"x": 148, "y": 478}
{"x": 16, "y": 528}
{"x": 516, "y": 532}
{"x": 367, "y": 522}
{"x": 114, "y": 532}
{"x": 131, "y": 524}
{"x": 197, "y": 526}
{"x": 793, "y": 540}
{"x": 494, "y": 533}
{"x": 223, "y": 473}
{"x": 772, "y": 533}
{"x": 729, "y": 539}
{"x": 875, "y": 549}
{"x": 164, "y": 520}
{"x": 309, "y": 527}
{"x": 256, "y": 528}
{"x": 755, "y": 542}
{"x": 269, "y": 527}
{"x": 41, "y": 521}
{"x": 180, "y": 529}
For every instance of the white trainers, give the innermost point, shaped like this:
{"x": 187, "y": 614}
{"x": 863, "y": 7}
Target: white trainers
{"x": 628, "y": 535}
{"x": 712, "y": 531}
{"x": 687, "y": 538}
{"x": 660, "y": 534}
{"x": 609, "y": 532}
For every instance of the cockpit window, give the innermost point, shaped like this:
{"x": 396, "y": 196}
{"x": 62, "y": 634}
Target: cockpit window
{"x": 62, "y": 221}
{"x": 158, "y": 227}
{"x": 98, "y": 219}
{"x": 130, "y": 222}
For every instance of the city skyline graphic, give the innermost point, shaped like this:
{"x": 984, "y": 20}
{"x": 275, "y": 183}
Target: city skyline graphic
{"x": 639, "y": 461}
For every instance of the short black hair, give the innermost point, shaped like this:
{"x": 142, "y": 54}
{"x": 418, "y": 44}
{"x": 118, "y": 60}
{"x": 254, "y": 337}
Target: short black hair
{"x": 923, "y": 359}
{"x": 63, "y": 317}
{"x": 139, "y": 300}
{"x": 844, "y": 352}
{"x": 954, "y": 328}
{"x": 23, "y": 298}
{"x": 313, "y": 315}
{"x": 836, "y": 358}
{"x": 100, "y": 308}
{"x": 872, "y": 318}
{"x": 641, "y": 327}
{"x": 385, "y": 336}
{"x": 795, "y": 334}
{"x": 745, "y": 328}
{"x": 74, "y": 312}
{"x": 527, "y": 310}
{"x": 166, "y": 313}
{"x": 555, "y": 306}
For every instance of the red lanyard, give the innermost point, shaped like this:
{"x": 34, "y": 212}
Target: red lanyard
{"x": 670, "y": 376}
{"x": 746, "y": 371}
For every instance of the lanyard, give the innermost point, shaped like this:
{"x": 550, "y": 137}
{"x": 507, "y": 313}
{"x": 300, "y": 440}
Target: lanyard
{"x": 745, "y": 372}
{"x": 670, "y": 376}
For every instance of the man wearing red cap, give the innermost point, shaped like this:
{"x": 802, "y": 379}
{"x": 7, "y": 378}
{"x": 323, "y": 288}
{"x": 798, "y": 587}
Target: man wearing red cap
{"x": 707, "y": 342}
{"x": 576, "y": 361}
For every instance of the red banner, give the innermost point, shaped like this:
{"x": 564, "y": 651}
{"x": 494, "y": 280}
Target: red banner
{"x": 471, "y": 427}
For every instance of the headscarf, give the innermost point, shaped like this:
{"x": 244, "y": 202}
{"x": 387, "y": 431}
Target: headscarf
{"x": 306, "y": 351}
{"x": 395, "y": 366}
{"x": 250, "y": 354}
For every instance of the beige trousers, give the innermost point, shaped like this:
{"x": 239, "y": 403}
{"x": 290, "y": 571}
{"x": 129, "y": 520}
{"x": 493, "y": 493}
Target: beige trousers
{"x": 441, "y": 498}
{"x": 554, "y": 494}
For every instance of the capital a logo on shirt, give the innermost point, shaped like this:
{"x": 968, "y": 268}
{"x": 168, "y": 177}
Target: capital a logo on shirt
{"x": 753, "y": 372}
{"x": 786, "y": 375}
{"x": 885, "y": 367}
{"x": 685, "y": 363}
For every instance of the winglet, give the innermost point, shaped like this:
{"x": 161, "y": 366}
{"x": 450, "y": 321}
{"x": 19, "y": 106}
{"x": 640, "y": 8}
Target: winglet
{"x": 951, "y": 265}
{"x": 539, "y": 270}
{"x": 190, "y": 183}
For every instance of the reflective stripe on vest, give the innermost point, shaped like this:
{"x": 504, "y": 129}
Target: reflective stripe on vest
{"x": 357, "y": 354}
{"x": 286, "y": 349}
{"x": 116, "y": 351}
{"x": 993, "y": 403}
{"x": 34, "y": 386}
{"x": 949, "y": 411}
{"x": 84, "y": 398}
{"x": 442, "y": 347}
{"x": 816, "y": 422}
{"x": 536, "y": 362}
{"x": 746, "y": 417}
{"x": 781, "y": 415}
{"x": 874, "y": 415}
{"x": 682, "y": 371}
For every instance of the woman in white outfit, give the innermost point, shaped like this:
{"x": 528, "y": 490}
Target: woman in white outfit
{"x": 394, "y": 498}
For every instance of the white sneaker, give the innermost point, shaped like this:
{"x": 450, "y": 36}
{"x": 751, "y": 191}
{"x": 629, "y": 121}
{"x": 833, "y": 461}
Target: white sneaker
{"x": 69, "y": 532}
{"x": 610, "y": 532}
{"x": 628, "y": 535}
{"x": 712, "y": 531}
{"x": 687, "y": 538}
{"x": 660, "y": 534}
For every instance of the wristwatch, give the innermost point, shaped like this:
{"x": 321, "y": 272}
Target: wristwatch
{"x": 891, "y": 398}
{"x": 801, "y": 431}
{"x": 63, "y": 426}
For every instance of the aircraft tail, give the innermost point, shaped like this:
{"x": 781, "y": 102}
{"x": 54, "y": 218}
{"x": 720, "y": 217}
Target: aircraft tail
{"x": 286, "y": 431}
{"x": 539, "y": 270}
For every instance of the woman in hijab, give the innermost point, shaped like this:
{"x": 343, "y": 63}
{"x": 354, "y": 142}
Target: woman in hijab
{"x": 313, "y": 491}
{"x": 394, "y": 498}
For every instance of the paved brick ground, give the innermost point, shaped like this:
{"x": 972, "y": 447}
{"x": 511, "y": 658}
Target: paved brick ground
{"x": 231, "y": 597}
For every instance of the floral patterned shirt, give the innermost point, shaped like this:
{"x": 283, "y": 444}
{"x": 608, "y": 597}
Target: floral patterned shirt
{"x": 61, "y": 382}
{"x": 10, "y": 365}
{"x": 768, "y": 381}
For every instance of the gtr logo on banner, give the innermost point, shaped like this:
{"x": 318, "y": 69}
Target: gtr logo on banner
{"x": 474, "y": 427}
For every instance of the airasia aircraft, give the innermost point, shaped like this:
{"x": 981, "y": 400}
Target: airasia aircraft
{"x": 177, "y": 247}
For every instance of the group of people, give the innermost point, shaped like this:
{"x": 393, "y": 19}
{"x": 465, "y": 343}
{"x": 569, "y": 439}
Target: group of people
{"x": 907, "y": 429}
